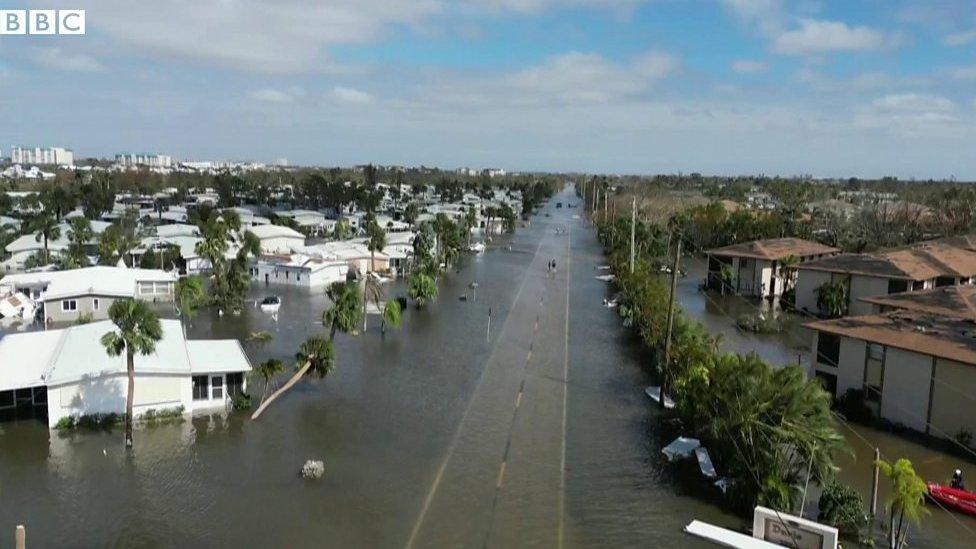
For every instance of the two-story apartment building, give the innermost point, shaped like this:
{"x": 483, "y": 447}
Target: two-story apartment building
{"x": 915, "y": 369}
{"x": 757, "y": 267}
{"x": 920, "y": 267}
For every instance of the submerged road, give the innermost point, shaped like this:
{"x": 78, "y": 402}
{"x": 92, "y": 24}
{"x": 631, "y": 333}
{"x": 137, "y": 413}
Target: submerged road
{"x": 502, "y": 481}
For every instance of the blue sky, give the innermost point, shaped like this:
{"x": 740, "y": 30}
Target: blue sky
{"x": 829, "y": 88}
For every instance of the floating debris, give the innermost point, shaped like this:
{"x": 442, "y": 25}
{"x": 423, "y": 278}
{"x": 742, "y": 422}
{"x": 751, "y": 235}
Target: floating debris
{"x": 313, "y": 470}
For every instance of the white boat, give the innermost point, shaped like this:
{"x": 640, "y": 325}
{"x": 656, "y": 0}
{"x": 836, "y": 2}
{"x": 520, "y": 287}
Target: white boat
{"x": 655, "y": 393}
{"x": 270, "y": 304}
{"x": 681, "y": 447}
{"x": 477, "y": 247}
{"x": 605, "y": 278}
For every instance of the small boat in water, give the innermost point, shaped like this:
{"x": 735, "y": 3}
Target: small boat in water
{"x": 953, "y": 498}
{"x": 271, "y": 304}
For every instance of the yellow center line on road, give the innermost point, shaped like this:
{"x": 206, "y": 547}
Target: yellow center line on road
{"x": 501, "y": 475}
{"x": 518, "y": 399}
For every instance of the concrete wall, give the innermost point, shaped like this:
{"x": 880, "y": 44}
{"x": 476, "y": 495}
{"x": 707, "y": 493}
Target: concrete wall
{"x": 807, "y": 283}
{"x": 952, "y": 394}
{"x": 865, "y": 286}
{"x": 905, "y": 393}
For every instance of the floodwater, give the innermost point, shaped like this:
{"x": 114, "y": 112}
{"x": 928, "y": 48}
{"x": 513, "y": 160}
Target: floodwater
{"x": 941, "y": 528}
{"x": 437, "y": 434}
{"x": 537, "y": 433}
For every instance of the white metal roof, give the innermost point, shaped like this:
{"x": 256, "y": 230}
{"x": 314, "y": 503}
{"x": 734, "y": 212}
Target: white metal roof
{"x": 99, "y": 280}
{"x": 275, "y": 231}
{"x": 63, "y": 356}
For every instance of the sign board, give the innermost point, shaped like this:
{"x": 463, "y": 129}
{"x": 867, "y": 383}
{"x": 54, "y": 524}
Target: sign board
{"x": 791, "y": 531}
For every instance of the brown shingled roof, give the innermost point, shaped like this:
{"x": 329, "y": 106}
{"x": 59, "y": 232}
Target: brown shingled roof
{"x": 952, "y": 301}
{"x": 921, "y": 262}
{"x": 963, "y": 241}
{"x": 774, "y": 249}
{"x": 949, "y": 338}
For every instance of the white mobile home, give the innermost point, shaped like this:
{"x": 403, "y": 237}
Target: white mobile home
{"x": 300, "y": 270}
{"x": 66, "y": 296}
{"x": 67, "y": 373}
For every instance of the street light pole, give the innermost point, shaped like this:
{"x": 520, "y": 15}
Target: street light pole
{"x": 633, "y": 228}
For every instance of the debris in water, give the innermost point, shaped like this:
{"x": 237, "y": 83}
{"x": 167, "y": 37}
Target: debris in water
{"x": 313, "y": 469}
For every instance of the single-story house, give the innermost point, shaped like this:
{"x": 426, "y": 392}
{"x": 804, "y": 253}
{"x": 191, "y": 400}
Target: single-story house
{"x": 920, "y": 267}
{"x": 353, "y": 253}
{"x": 65, "y": 296}
{"x": 67, "y": 373}
{"x": 278, "y": 239}
{"x": 299, "y": 270}
{"x": 29, "y": 244}
{"x": 914, "y": 369}
{"x": 757, "y": 267}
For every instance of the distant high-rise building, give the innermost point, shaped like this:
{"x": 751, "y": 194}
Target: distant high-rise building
{"x": 42, "y": 155}
{"x": 148, "y": 160}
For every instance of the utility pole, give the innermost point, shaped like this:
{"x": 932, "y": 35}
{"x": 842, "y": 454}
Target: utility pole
{"x": 667, "y": 338}
{"x": 633, "y": 231}
{"x": 488, "y": 337}
{"x": 874, "y": 488}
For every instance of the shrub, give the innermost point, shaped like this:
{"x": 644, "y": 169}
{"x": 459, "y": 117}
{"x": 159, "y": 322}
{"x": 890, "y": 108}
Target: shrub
{"x": 842, "y": 508}
{"x": 241, "y": 401}
{"x": 67, "y": 422}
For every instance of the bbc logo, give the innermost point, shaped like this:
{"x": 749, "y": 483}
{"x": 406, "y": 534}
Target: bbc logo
{"x": 42, "y": 21}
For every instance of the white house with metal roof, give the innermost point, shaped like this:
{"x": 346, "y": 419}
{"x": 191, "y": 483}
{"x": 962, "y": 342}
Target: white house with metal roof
{"x": 67, "y": 373}
{"x": 278, "y": 239}
{"x": 67, "y": 295}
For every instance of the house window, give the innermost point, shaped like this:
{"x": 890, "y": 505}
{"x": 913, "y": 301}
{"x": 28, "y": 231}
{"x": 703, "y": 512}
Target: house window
{"x": 286, "y": 275}
{"x": 829, "y": 382}
{"x": 875, "y": 351}
{"x": 235, "y": 384}
{"x": 897, "y": 286}
{"x": 69, "y": 305}
{"x": 828, "y": 349}
{"x": 217, "y": 389}
{"x": 95, "y": 303}
{"x": 200, "y": 388}
{"x": 944, "y": 281}
{"x": 918, "y": 285}
{"x": 298, "y": 277}
{"x": 145, "y": 288}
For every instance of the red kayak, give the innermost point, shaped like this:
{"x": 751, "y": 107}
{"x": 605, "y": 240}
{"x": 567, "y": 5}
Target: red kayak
{"x": 951, "y": 498}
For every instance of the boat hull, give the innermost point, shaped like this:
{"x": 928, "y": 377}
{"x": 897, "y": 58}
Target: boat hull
{"x": 960, "y": 501}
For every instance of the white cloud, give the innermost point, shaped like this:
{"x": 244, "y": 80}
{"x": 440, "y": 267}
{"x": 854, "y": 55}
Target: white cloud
{"x": 271, "y": 95}
{"x": 748, "y": 66}
{"x": 819, "y": 81}
{"x": 913, "y": 102}
{"x": 964, "y": 73}
{"x": 254, "y": 35}
{"x": 56, "y": 58}
{"x": 351, "y": 95}
{"x": 578, "y": 77}
{"x": 959, "y": 38}
{"x": 768, "y": 15}
{"x": 818, "y": 36}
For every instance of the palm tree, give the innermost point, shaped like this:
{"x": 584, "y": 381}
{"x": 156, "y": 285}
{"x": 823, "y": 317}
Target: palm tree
{"x": 268, "y": 370}
{"x": 343, "y": 315}
{"x": 138, "y": 332}
{"x": 190, "y": 297}
{"x": 316, "y": 355}
{"x": 46, "y": 229}
{"x": 907, "y": 500}
{"x": 423, "y": 289}
{"x": 372, "y": 291}
{"x": 392, "y": 315}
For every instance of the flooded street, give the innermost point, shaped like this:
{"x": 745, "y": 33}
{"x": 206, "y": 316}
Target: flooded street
{"x": 437, "y": 434}
{"x": 413, "y": 428}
